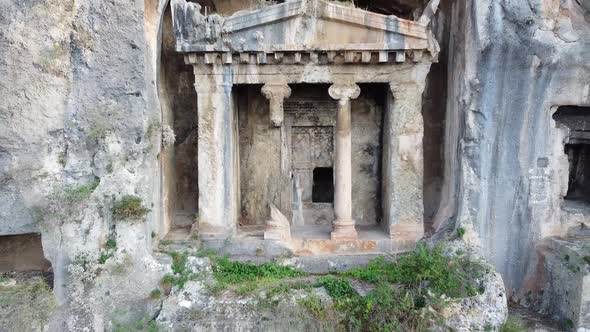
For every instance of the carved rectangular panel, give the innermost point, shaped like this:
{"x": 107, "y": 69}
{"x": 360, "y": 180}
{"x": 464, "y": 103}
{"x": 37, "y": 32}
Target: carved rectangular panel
{"x": 312, "y": 147}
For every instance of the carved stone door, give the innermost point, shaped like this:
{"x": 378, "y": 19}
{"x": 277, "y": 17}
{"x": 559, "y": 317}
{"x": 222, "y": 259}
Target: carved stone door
{"x": 312, "y": 155}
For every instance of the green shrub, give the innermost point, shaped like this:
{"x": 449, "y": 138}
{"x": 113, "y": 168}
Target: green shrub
{"x": 76, "y": 194}
{"x": 181, "y": 274}
{"x": 425, "y": 267}
{"x": 460, "y": 232}
{"x": 337, "y": 288}
{"x": 104, "y": 257}
{"x": 129, "y": 207}
{"x": 408, "y": 292}
{"x": 111, "y": 244}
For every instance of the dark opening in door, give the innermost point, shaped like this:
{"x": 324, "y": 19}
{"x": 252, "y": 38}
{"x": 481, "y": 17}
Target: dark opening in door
{"x": 323, "y": 185}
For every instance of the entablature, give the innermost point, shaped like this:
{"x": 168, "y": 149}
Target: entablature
{"x": 297, "y": 28}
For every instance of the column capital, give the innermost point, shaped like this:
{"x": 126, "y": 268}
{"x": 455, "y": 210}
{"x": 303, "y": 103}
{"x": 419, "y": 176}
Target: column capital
{"x": 276, "y": 91}
{"x": 344, "y": 91}
{"x": 276, "y": 94}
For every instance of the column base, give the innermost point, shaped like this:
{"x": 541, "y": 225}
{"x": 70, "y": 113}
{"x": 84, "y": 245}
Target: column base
{"x": 344, "y": 231}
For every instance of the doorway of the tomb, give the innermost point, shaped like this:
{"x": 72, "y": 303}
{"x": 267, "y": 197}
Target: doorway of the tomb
{"x": 292, "y": 167}
{"x": 577, "y": 149}
{"x": 312, "y": 160}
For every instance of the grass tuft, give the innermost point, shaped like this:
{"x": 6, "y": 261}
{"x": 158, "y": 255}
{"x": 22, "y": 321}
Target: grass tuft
{"x": 246, "y": 277}
{"x": 26, "y": 306}
{"x": 129, "y": 207}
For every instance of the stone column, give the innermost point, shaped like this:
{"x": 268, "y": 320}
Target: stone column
{"x": 343, "y": 225}
{"x": 402, "y": 178}
{"x": 276, "y": 94}
{"x": 216, "y": 156}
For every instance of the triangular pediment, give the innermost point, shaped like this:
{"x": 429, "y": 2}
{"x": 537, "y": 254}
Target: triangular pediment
{"x": 296, "y": 25}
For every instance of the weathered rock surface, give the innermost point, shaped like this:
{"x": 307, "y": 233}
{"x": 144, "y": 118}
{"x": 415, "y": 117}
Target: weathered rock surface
{"x": 79, "y": 94}
{"x": 566, "y": 288}
{"x": 486, "y": 311}
{"x": 194, "y": 308}
{"x": 511, "y": 64}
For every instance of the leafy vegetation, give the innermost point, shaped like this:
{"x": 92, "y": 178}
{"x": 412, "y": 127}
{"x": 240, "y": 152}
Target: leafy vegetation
{"x": 512, "y": 324}
{"x": 111, "y": 244}
{"x": 408, "y": 293}
{"x": 65, "y": 204}
{"x": 129, "y": 207}
{"x": 104, "y": 257}
{"x": 142, "y": 325}
{"x": 108, "y": 251}
{"x": 73, "y": 195}
{"x": 181, "y": 274}
{"x": 403, "y": 295}
{"x": 423, "y": 269}
{"x": 313, "y": 304}
{"x": 338, "y": 288}
{"x": 249, "y": 277}
{"x": 460, "y": 232}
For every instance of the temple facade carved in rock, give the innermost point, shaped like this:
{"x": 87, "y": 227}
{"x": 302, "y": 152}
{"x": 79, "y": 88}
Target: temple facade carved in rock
{"x": 293, "y": 143}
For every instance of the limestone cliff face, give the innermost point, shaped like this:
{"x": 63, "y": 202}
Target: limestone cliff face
{"x": 78, "y": 109}
{"x": 79, "y": 104}
{"x": 75, "y": 90}
{"x": 511, "y": 64}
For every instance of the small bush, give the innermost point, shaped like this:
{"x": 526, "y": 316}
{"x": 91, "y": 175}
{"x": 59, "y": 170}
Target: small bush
{"x": 111, "y": 244}
{"x": 425, "y": 267}
{"x": 181, "y": 274}
{"x": 460, "y": 232}
{"x": 104, "y": 257}
{"x": 129, "y": 207}
{"x": 155, "y": 294}
{"x": 337, "y": 288}
{"x": 76, "y": 194}
{"x": 408, "y": 293}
